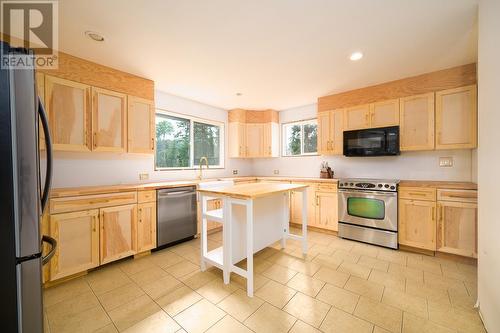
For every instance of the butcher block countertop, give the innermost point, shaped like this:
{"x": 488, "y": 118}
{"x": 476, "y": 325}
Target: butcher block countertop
{"x": 439, "y": 184}
{"x": 105, "y": 189}
{"x": 252, "y": 190}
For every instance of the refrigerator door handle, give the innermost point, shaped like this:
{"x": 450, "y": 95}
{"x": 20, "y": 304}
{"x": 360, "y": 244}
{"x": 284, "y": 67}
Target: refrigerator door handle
{"x": 48, "y": 145}
{"x": 53, "y": 245}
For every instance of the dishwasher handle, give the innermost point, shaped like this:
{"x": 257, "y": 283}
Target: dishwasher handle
{"x": 174, "y": 194}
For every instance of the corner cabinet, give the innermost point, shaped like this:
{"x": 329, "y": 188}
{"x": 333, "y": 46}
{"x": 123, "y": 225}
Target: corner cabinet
{"x": 77, "y": 236}
{"x": 253, "y": 134}
{"x": 109, "y": 120}
{"x": 68, "y": 107}
{"x": 417, "y": 122}
{"x": 118, "y": 234}
{"x": 456, "y": 118}
{"x": 140, "y": 125}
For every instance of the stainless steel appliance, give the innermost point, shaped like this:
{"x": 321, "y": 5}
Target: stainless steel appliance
{"x": 372, "y": 142}
{"x": 22, "y": 199}
{"x": 176, "y": 216}
{"x": 368, "y": 211}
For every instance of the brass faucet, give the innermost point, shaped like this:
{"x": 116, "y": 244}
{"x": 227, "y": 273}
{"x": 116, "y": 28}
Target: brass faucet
{"x": 203, "y": 158}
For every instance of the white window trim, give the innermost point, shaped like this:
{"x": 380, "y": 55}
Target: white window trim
{"x": 303, "y": 122}
{"x": 192, "y": 119}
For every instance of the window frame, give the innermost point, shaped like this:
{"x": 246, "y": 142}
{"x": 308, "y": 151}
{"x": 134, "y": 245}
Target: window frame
{"x": 302, "y": 122}
{"x": 192, "y": 120}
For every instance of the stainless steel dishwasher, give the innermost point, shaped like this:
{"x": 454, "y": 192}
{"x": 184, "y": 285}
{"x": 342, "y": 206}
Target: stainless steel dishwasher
{"x": 176, "y": 214}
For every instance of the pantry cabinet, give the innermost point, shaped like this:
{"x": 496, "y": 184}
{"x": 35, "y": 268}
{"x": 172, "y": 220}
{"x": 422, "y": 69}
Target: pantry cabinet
{"x": 77, "y": 236}
{"x": 417, "y": 224}
{"x": 456, "y": 118}
{"x": 68, "y": 107}
{"x": 140, "y": 125}
{"x": 146, "y": 226}
{"x": 331, "y": 132}
{"x": 109, "y": 120}
{"x": 417, "y": 122}
{"x": 118, "y": 234}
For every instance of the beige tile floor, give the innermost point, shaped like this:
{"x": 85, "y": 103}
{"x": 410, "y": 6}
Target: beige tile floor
{"x": 340, "y": 286}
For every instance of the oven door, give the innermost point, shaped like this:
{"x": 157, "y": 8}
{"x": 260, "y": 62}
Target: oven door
{"x": 373, "y": 209}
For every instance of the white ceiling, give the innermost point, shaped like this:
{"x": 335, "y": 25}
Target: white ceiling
{"x": 277, "y": 53}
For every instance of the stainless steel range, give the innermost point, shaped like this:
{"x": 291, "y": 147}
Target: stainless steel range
{"x": 368, "y": 211}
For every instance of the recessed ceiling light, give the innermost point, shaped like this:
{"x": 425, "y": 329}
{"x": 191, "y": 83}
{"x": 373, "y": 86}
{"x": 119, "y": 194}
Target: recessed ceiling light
{"x": 94, "y": 36}
{"x": 356, "y": 56}
{"x": 238, "y": 94}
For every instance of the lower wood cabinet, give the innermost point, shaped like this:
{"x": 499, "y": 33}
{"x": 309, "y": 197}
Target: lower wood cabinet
{"x": 327, "y": 216}
{"x": 296, "y": 207}
{"x": 457, "y": 228}
{"x": 417, "y": 224}
{"x": 118, "y": 234}
{"x": 146, "y": 226}
{"x": 77, "y": 237}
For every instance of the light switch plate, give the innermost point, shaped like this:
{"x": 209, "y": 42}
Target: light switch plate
{"x": 144, "y": 176}
{"x": 276, "y": 171}
{"x": 235, "y": 172}
{"x": 446, "y": 162}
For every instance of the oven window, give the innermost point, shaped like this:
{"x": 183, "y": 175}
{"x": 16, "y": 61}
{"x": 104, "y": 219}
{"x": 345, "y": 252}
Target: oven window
{"x": 366, "y": 208}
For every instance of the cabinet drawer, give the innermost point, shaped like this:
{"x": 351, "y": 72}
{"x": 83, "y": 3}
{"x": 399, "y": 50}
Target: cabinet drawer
{"x": 457, "y": 195}
{"x": 146, "y": 196}
{"x": 84, "y": 202}
{"x": 327, "y": 187}
{"x": 417, "y": 193}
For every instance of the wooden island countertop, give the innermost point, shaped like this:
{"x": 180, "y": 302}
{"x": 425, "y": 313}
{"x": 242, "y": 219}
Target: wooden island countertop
{"x": 252, "y": 190}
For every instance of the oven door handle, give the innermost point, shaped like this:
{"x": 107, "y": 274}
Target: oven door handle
{"x": 377, "y": 193}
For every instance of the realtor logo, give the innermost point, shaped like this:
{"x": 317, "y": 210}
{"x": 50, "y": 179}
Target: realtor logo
{"x": 32, "y": 25}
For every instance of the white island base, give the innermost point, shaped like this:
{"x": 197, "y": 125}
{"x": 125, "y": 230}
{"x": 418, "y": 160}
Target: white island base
{"x": 249, "y": 225}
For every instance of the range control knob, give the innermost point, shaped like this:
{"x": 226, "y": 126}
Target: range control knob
{"x": 379, "y": 185}
{"x": 352, "y": 184}
{"x": 386, "y": 185}
{"x": 393, "y": 187}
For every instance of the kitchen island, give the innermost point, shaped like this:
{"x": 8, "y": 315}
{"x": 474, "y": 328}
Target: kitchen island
{"x": 253, "y": 216}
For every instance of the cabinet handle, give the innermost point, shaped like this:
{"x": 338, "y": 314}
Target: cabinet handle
{"x": 317, "y": 200}
{"x": 433, "y": 212}
{"x": 93, "y": 224}
{"x": 95, "y": 140}
{"x": 240, "y": 151}
{"x": 416, "y": 193}
{"x": 152, "y": 143}
{"x": 367, "y": 119}
{"x": 372, "y": 117}
{"x": 441, "y": 214}
{"x": 270, "y": 152}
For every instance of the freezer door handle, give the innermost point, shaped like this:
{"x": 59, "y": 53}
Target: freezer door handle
{"x": 53, "y": 245}
{"x": 48, "y": 145}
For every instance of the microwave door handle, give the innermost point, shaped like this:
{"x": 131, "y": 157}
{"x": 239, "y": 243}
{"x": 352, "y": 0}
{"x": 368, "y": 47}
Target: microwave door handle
{"x": 48, "y": 145}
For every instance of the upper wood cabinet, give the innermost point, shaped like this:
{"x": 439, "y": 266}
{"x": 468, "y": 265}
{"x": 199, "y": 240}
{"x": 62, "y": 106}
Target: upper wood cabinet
{"x": 357, "y": 117}
{"x": 118, "y": 234}
{"x": 456, "y": 118}
{"x": 385, "y": 113}
{"x": 253, "y": 134}
{"x": 140, "y": 125}
{"x": 146, "y": 226}
{"x": 109, "y": 120}
{"x": 417, "y": 122}
{"x": 77, "y": 237}
{"x": 331, "y": 132}
{"x": 237, "y": 141}
{"x": 68, "y": 108}
{"x": 417, "y": 224}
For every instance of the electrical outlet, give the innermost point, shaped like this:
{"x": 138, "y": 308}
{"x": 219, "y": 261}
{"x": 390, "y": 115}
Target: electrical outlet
{"x": 446, "y": 162}
{"x": 276, "y": 171}
{"x": 235, "y": 172}
{"x": 144, "y": 176}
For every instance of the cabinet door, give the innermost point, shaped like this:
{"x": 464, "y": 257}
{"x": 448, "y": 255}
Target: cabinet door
{"x": 383, "y": 114}
{"x": 118, "y": 236}
{"x": 109, "y": 120}
{"x": 68, "y": 108}
{"x": 337, "y": 131}
{"x": 417, "y": 122}
{"x": 296, "y": 206}
{"x": 237, "y": 139}
{"x": 254, "y": 140}
{"x": 457, "y": 228}
{"x": 146, "y": 226}
{"x": 327, "y": 210}
{"x": 417, "y": 224}
{"x": 140, "y": 125}
{"x": 324, "y": 129}
{"x": 77, "y": 243}
{"x": 357, "y": 117}
{"x": 268, "y": 140}
{"x": 456, "y": 118}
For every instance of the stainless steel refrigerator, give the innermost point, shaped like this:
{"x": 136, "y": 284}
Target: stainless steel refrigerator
{"x": 23, "y": 197}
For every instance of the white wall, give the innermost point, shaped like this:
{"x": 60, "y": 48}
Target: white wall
{"x": 409, "y": 165}
{"x": 489, "y": 163}
{"x": 83, "y": 169}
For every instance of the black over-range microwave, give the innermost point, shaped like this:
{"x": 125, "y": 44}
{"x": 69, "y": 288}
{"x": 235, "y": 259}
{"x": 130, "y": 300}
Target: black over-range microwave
{"x": 372, "y": 142}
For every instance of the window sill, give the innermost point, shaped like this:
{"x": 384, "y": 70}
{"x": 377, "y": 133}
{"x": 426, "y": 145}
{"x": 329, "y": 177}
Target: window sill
{"x": 190, "y": 169}
{"x": 302, "y": 155}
